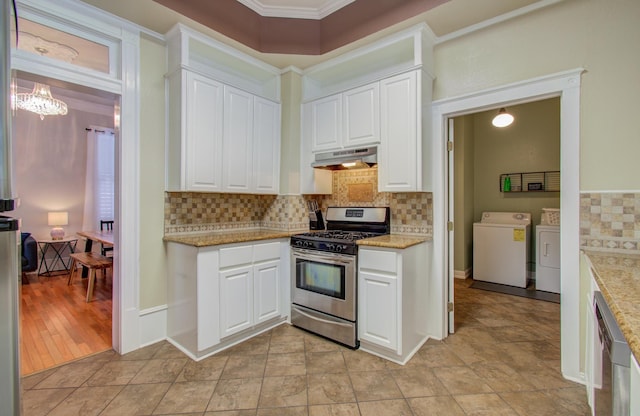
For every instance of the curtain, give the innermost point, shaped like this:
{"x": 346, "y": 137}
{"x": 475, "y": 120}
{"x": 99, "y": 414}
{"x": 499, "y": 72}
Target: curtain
{"x": 99, "y": 184}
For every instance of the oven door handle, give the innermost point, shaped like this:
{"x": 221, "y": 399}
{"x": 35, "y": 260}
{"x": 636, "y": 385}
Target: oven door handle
{"x": 315, "y": 255}
{"x": 326, "y": 321}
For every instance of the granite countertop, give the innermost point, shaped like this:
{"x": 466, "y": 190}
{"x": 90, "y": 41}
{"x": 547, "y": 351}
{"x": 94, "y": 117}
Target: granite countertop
{"x": 226, "y": 237}
{"x": 618, "y": 276}
{"x": 392, "y": 241}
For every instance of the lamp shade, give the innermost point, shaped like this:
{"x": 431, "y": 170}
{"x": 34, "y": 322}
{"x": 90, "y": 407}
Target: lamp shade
{"x": 503, "y": 119}
{"x": 58, "y": 218}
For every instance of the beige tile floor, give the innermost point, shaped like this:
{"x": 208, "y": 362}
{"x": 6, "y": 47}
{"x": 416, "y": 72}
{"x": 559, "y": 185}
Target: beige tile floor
{"x": 504, "y": 359}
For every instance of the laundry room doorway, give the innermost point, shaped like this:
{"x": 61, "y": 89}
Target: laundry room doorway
{"x": 513, "y": 169}
{"x": 566, "y": 86}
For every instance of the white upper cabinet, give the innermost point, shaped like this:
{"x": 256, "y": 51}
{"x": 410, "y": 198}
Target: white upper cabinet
{"x": 399, "y": 152}
{"x": 350, "y": 119}
{"x": 326, "y": 123}
{"x": 224, "y": 118}
{"x": 238, "y": 140}
{"x": 203, "y": 153}
{"x": 266, "y": 146}
{"x": 251, "y": 143}
{"x": 378, "y": 95}
{"x": 361, "y": 125}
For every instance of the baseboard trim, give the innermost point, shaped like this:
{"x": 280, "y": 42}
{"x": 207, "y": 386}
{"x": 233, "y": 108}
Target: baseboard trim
{"x": 462, "y": 274}
{"x": 153, "y": 325}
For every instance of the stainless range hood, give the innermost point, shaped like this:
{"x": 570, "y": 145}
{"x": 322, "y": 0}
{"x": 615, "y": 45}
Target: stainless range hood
{"x": 346, "y": 159}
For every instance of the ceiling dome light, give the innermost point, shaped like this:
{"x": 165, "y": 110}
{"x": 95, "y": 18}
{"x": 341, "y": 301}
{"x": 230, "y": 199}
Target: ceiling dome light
{"x": 41, "y": 102}
{"x": 503, "y": 119}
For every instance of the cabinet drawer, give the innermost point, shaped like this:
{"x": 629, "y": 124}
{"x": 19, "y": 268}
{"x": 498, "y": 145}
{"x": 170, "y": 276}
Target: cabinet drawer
{"x": 384, "y": 261}
{"x": 235, "y": 256}
{"x": 267, "y": 251}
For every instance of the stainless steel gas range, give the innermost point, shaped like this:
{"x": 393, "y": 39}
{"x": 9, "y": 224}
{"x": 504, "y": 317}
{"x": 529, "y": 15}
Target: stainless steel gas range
{"x": 324, "y": 272}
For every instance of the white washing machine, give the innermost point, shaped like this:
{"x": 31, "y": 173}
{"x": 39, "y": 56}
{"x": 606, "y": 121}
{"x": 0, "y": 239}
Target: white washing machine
{"x": 548, "y": 258}
{"x": 501, "y": 248}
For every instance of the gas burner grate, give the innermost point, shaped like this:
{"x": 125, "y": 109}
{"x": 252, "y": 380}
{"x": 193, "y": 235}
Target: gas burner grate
{"x": 339, "y": 235}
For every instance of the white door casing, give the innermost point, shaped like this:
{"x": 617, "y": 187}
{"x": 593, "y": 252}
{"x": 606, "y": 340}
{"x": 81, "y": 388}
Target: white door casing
{"x": 79, "y": 19}
{"x": 567, "y": 86}
{"x": 450, "y": 233}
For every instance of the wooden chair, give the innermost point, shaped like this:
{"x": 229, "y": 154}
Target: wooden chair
{"x": 108, "y": 226}
{"x": 93, "y": 262}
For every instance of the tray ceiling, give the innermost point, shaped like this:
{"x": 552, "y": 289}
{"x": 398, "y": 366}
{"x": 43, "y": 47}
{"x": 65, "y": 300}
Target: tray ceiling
{"x": 295, "y": 9}
{"x": 354, "y": 20}
{"x": 444, "y": 19}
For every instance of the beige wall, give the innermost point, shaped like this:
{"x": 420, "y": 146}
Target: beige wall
{"x": 153, "y": 282}
{"x": 290, "y": 145}
{"x": 530, "y": 144}
{"x": 600, "y": 36}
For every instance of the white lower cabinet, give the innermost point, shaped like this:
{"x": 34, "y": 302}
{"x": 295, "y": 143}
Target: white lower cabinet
{"x": 379, "y": 308}
{"x": 220, "y": 295}
{"x": 634, "y": 388}
{"x": 392, "y": 313}
{"x": 266, "y": 291}
{"x": 236, "y": 300}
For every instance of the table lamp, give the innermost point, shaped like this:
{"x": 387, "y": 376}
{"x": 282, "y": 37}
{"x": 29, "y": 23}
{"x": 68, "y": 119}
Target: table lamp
{"x": 56, "y": 219}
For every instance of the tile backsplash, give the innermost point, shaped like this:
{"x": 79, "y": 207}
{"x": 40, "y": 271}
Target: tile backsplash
{"x": 610, "y": 221}
{"x": 411, "y": 213}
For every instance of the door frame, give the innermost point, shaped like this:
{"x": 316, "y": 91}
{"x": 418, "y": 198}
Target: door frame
{"x": 123, "y": 80}
{"x": 565, "y": 85}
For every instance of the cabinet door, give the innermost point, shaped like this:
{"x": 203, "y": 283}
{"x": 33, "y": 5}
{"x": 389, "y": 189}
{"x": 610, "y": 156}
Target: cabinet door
{"x": 326, "y": 123}
{"x": 378, "y": 308}
{"x": 237, "y": 144}
{"x": 312, "y": 181}
{"x": 266, "y": 291}
{"x": 361, "y": 116}
{"x": 266, "y": 146}
{"x": 399, "y": 151}
{"x": 236, "y": 300}
{"x": 203, "y": 134}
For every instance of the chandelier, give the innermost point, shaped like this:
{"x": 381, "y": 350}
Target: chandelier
{"x": 41, "y": 102}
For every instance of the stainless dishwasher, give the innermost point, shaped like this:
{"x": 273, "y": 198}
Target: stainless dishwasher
{"x": 612, "y": 396}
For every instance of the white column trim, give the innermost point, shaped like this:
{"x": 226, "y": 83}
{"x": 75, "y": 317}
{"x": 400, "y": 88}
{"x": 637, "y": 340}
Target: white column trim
{"x": 126, "y": 329}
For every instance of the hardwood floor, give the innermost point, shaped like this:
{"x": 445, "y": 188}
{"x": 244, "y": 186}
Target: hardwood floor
{"x": 57, "y": 325}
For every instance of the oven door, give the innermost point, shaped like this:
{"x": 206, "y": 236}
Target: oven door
{"x": 325, "y": 282}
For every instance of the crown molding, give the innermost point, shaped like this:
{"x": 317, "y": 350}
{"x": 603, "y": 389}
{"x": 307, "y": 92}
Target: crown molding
{"x": 296, "y": 12}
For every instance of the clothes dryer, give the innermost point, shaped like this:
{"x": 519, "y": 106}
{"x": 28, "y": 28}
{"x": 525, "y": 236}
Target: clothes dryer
{"x": 548, "y": 258}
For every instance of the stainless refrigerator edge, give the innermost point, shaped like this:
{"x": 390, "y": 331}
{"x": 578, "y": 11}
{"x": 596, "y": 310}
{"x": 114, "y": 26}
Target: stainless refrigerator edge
{"x": 9, "y": 237}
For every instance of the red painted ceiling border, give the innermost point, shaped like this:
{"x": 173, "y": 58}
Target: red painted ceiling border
{"x": 299, "y": 36}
